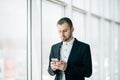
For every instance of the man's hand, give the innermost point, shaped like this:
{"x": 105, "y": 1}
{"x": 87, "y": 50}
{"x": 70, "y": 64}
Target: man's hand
{"x": 62, "y": 65}
{"x": 54, "y": 65}
{"x": 58, "y": 65}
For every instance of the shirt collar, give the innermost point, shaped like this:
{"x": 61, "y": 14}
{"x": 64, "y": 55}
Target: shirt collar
{"x": 69, "y": 43}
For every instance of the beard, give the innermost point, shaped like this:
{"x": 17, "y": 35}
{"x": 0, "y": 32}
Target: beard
{"x": 65, "y": 39}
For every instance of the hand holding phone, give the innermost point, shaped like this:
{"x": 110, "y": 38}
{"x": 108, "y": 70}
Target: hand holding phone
{"x": 54, "y": 63}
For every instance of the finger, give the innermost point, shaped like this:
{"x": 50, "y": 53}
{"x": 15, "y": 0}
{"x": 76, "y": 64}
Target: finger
{"x": 62, "y": 62}
{"x": 52, "y": 62}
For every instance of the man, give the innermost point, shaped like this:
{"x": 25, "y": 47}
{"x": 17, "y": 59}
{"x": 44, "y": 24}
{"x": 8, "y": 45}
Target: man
{"x": 69, "y": 59}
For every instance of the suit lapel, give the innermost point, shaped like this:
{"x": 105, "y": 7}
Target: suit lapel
{"x": 58, "y": 50}
{"x": 74, "y": 48}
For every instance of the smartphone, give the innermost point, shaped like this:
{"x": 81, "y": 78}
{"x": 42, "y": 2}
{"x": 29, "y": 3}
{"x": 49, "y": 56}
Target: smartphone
{"x": 54, "y": 59}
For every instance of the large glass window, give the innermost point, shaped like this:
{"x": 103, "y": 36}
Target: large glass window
{"x": 107, "y": 9}
{"x": 106, "y": 49}
{"x": 51, "y": 13}
{"x": 114, "y": 51}
{"x": 79, "y": 26}
{"x": 118, "y": 52}
{"x": 94, "y": 42}
{"x": 22, "y": 48}
{"x": 114, "y": 10}
{"x": 118, "y": 10}
{"x": 13, "y": 40}
{"x": 95, "y": 6}
{"x": 79, "y": 3}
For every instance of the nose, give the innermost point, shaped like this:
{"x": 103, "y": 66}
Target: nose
{"x": 62, "y": 34}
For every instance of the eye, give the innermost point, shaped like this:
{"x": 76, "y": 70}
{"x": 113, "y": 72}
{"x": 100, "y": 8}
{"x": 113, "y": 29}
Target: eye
{"x": 59, "y": 31}
{"x": 64, "y": 30}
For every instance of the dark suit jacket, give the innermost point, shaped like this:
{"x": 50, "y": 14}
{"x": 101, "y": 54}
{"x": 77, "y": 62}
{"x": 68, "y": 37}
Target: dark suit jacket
{"x": 79, "y": 64}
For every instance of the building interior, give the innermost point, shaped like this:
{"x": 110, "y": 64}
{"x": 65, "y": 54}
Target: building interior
{"x": 28, "y": 29}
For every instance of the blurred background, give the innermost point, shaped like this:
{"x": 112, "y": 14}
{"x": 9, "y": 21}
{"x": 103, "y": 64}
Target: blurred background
{"x": 28, "y": 29}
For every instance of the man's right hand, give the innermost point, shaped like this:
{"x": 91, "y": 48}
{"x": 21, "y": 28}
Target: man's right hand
{"x": 54, "y": 65}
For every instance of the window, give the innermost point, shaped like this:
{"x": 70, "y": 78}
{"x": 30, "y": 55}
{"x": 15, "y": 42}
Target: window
{"x": 79, "y": 25}
{"x": 106, "y": 49}
{"x": 94, "y": 42}
{"x": 51, "y": 14}
{"x": 79, "y": 3}
{"x": 107, "y": 9}
{"x": 13, "y": 40}
{"x": 28, "y": 29}
{"x": 95, "y": 6}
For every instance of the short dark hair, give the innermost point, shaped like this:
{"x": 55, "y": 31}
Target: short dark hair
{"x": 65, "y": 20}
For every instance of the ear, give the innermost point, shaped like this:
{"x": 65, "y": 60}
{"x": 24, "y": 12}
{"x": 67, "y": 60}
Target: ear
{"x": 72, "y": 29}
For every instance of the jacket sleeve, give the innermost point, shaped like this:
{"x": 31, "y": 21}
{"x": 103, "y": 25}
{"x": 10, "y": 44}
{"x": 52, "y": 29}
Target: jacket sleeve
{"x": 50, "y": 71}
{"x": 86, "y": 69}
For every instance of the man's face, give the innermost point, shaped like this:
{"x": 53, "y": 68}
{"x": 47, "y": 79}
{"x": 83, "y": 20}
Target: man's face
{"x": 65, "y": 32}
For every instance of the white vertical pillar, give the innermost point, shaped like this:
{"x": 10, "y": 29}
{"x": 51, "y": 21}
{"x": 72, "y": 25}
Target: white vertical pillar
{"x": 101, "y": 44}
{"x": 118, "y": 52}
{"x": 36, "y": 40}
{"x": 119, "y": 11}
{"x": 29, "y": 40}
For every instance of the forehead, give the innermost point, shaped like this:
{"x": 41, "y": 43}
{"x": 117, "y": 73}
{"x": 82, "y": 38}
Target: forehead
{"x": 63, "y": 26}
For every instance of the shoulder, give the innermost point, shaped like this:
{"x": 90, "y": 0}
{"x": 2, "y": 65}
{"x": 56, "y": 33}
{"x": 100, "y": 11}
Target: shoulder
{"x": 57, "y": 45}
{"x": 80, "y": 43}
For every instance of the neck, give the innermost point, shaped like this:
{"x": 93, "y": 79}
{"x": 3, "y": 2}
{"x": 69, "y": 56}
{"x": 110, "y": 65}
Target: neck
{"x": 69, "y": 39}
